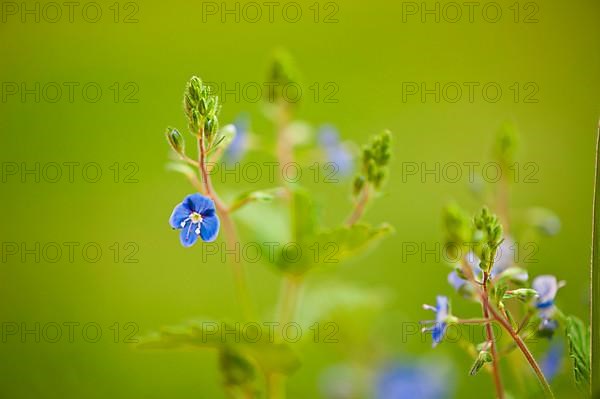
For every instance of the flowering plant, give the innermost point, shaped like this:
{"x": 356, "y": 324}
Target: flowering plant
{"x": 487, "y": 271}
{"x": 253, "y": 367}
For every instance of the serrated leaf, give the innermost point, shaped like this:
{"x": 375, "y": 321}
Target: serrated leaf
{"x": 332, "y": 247}
{"x": 579, "y": 351}
{"x": 273, "y": 357}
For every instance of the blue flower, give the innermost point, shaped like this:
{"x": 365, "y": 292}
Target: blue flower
{"x": 551, "y": 363}
{"x": 335, "y": 151}
{"x": 546, "y": 286}
{"x": 195, "y": 216}
{"x": 238, "y": 146}
{"x": 503, "y": 263}
{"x": 408, "y": 381}
{"x": 456, "y": 281}
{"x": 442, "y": 315}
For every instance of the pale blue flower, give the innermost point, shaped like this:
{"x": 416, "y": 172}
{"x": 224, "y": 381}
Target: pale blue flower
{"x": 410, "y": 381}
{"x": 442, "y": 313}
{"x": 239, "y": 145}
{"x": 504, "y": 262}
{"x": 551, "y": 362}
{"x": 546, "y": 286}
{"x": 335, "y": 151}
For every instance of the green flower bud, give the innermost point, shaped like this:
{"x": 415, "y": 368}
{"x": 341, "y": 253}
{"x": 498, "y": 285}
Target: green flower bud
{"x": 523, "y": 294}
{"x": 482, "y": 358}
{"x": 236, "y": 369}
{"x": 176, "y": 141}
{"x": 457, "y": 224}
{"x": 359, "y": 183}
{"x": 506, "y": 144}
{"x": 282, "y": 73}
{"x": 211, "y": 125}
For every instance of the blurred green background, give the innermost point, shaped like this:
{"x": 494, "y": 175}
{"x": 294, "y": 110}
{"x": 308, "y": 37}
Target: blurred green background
{"x": 368, "y": 54}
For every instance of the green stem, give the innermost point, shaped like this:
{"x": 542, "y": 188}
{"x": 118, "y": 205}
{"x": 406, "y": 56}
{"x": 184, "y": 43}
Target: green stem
{"x": 230, "y": 233}
{"x": 492, "y": 340}
{"x": 276, "y": 386}
{"x": 288, "y": 298}
{"x": 359, "y": 208}
{"x": 530, "y": 359}
{"x": 594, "y": 286}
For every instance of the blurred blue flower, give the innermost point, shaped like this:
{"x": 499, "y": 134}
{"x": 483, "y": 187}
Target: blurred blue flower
{"x": 546, "y": 286}
{"x": 551, "y": 362}
{"x": 239, "y": 145}
{"x": 195, "y": 216}
{"x": 457, "y": 282}
{"x": 504, "y": 262}
{"x": 411, "y": 381}
{"x": 442, "y": 314}
{"x": 335, "y": 151}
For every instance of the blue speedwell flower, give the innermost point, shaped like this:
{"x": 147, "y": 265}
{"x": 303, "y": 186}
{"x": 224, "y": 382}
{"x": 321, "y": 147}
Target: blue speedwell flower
{"x": 546, "y": 286}
{"x": 442, "y": 316}
{"x": 238, "y": 147}
{"x": 503, "y": 265}
{"x": 336, "y": 152}
{"x": 195, "y": 216}
{"x": 551, "y": 362}
{"x": 409, "y": 381}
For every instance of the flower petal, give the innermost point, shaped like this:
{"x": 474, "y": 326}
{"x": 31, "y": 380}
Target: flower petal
{"x": 551, "y": 363}
{"x": 199, "y": 203}
{"x": 546, "y": 286}
{"x": 180, "y": 213}
{"x": 437, "y": 333}
{"x": 505, "y": 256}
{"x": 473, "y": 261}
{"x": 442, "y": 308}
{"x": 455, "y": 281}
{"x": 209, "y": 228}
{"x": 187, "y": 236}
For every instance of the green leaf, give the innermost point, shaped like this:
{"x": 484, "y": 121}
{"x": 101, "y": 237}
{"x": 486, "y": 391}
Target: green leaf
{"x": 304, "y": 217}
{"x": 182, "y": 168}
{"x": 328, "y": 300}
{"x": 268, "y": 222}
{"x": 331, "y": 247}
{"x": 271, "y": 356}
{"x": 255, "y": 196}
{"x": 579, "y": 351}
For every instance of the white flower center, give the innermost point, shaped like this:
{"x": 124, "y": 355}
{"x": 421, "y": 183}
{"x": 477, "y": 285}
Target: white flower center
{"x": 195, "y": 217}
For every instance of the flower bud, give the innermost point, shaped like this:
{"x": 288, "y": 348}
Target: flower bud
{"x": 175, "y": 140}
{"x": 482, "y": 358}
{"x": 359, "y": 183}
